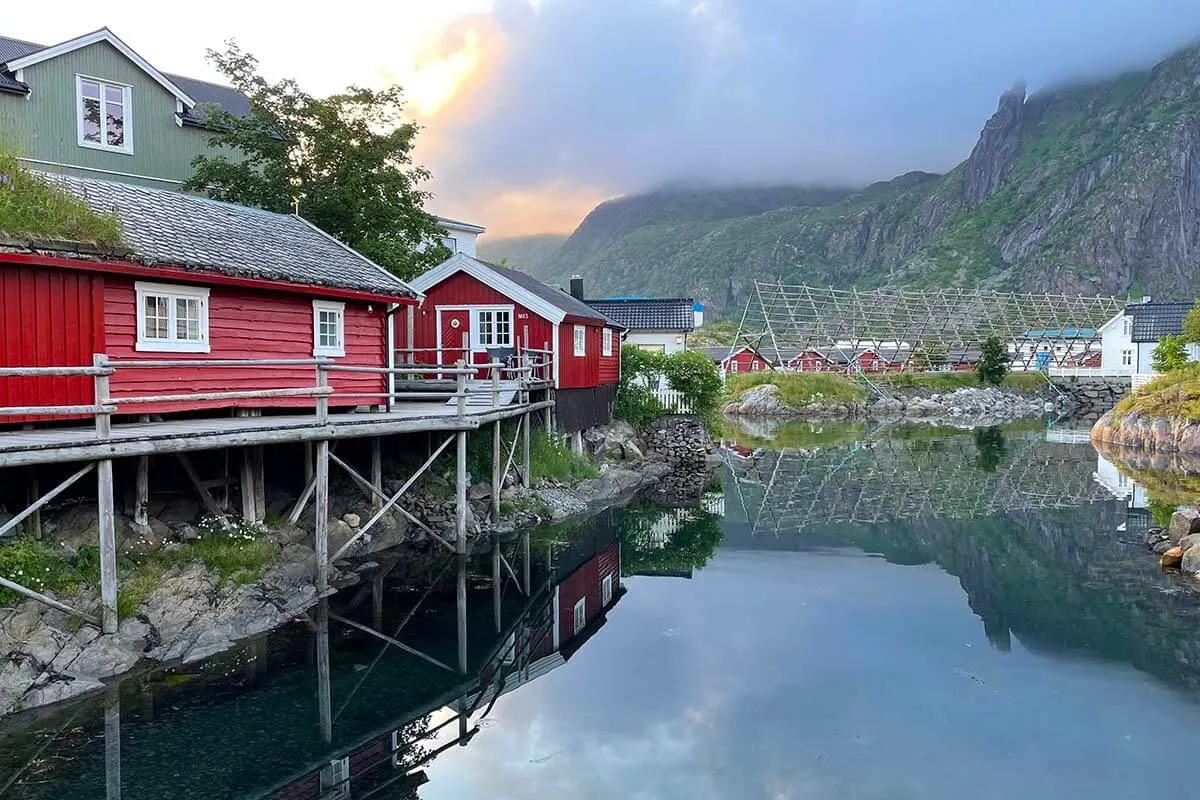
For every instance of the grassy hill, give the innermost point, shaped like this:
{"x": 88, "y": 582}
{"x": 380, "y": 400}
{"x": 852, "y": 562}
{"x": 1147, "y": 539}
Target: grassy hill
{"x": 1090, "y": 188}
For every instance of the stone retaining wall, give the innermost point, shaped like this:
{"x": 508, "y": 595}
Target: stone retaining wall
{"x": 1093, "y": 396}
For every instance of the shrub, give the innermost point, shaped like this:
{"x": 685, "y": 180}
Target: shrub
{"x": 694, "y": 375}
{"x": 32, "y": 564}
{"x": 636, "y": 404}
{"x": 993, "y": 361}
{"x": 1191, "y": 325}
{"x": 1169, "y": 354}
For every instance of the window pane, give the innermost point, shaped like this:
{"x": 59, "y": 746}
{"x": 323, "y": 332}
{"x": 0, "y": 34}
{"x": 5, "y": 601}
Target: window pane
{"x": 115, "y": 124}
{"x": 187, "y": 319}
{"x": 91, "y": 121}
{"x": 113, "y": 94}
{"x": 155, "y": 312}
{"x": 90, "y": 89}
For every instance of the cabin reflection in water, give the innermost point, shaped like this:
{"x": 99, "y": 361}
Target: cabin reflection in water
{"x": 326, "y": 709}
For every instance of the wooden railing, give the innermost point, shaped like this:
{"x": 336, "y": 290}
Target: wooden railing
{"x": 537, "y": 364}
{"x": 321, "y": 391}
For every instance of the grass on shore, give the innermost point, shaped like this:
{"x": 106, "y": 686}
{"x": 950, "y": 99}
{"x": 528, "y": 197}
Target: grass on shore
{"x": 1175, "y": 394}
{"x": 550, "y": 458}
{"x": 953, "y": 381}
{"x": 799, "y": 388}
{"x": 238, "y": 555}
{"x": 32, "y": 206}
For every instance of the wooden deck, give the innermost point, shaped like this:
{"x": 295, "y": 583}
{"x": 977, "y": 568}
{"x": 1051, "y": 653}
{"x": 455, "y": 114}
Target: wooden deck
{"x": 20, "y": 448}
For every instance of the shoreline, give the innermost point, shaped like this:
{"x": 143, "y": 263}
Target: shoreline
{"x": 192, "y": 613}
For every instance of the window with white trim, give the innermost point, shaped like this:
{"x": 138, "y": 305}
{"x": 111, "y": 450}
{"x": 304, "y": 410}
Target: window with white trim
{"x": 102, "y": 114}
{"x": 450, "y": 243}
{"x": 494, "y": 327}
{"x": 1127, "y": 327}
{"x": 172, "y": 318}
{"x": 335, "y": 780}
{"x": 606, "y": 589}
{"x": 733, "y": 365}
{"x": 580, "y": 340}
{"x": 1126, "y": 358}
{"x": 329, "y": 328}
{"x": 606, "y": 342}
{"x": 580, "y": 614}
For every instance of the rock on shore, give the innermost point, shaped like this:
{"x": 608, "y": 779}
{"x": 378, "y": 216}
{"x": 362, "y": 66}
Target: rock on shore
{"x": 1156, "y": 434}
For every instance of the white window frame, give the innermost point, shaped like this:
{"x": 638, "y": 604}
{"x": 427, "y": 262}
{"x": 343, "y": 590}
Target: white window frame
{"x": 1127, "y": 327}
{"x": 580, "y": 615}
{"x": 607, "y": 342}
{"x": 1127, "y": 358}
{"x": 606, "y": 589}
{"x": 450, "y": 243}
{"x": 325, "y": 351}
{"x": 172, "y": 292}
{"x": 477, "y": 325}
{"x": 126, "y": 105}
{"x": 335, "y": 780}
{"x": 733, "y": 365}
{"x": 579, "y": 341}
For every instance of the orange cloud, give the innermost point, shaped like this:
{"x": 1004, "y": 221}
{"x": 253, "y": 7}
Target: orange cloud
{"x": 557, "y": 207}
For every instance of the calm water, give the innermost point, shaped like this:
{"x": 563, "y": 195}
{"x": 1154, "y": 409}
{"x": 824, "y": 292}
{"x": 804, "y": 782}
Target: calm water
{"x": 912, "y": 614}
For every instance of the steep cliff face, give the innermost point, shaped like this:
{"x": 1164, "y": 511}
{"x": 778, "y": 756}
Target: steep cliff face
{"x": 1089, "y": 189}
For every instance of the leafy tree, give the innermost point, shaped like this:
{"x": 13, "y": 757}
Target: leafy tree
{"x": 694, "y": 375}
{"x": 919, "y": 360}
{"x": 342, "y": 162}
{"x": 1191, "y": 325}
{"x": 937, "y": 355}
{"x": 635, "y": 402}
{"x": 993, "y": 361}
{"x": 1169, "y": 354}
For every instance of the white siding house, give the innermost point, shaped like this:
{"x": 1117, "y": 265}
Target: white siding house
{"x": 1118, "y": 353}
{"x": 460, "y": 236}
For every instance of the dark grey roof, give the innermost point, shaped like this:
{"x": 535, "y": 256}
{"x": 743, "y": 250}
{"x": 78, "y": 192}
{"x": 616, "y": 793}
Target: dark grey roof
{"x": 226, "y": 97}
{"x": 646, "y": 314}
{"x": 556, "y": 297}
{"x": 1153, "y": 321}
{"x": 171, "y": 228}
{"x": 10, "y": 49}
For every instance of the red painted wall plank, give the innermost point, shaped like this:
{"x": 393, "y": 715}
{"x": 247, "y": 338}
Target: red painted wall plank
{"x": 245, "y": 324}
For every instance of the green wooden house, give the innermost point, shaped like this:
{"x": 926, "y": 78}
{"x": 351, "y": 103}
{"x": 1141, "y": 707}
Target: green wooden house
{"x": 92, "y": 107}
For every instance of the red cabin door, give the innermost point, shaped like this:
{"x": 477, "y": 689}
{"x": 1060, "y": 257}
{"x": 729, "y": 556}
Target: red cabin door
{"x": 455, "y": 324}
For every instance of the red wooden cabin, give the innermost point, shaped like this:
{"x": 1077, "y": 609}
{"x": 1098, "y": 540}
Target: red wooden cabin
{"x": 503, "y": 313}
{"x": 744, "y": 359}
{"x": 811, "y": 361}
{"x": 201, "y": 281}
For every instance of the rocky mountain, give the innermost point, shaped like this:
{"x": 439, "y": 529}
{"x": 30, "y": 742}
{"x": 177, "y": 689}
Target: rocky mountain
{"x": 527, "y": 253}
{"x": 1089, "y": 188}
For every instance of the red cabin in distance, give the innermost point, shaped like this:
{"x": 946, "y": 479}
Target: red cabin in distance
{"x": 201, "y": 281}
{"x": 501, "y": 313}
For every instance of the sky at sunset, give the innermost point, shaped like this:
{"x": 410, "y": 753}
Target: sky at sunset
{"x": 535, "y": 110}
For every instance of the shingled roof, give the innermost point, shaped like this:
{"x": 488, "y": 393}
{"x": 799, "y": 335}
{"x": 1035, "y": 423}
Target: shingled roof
{"x": 649, "y": 314}
{"x": 166, "y": 228}
{"x": 1153, "y": 321}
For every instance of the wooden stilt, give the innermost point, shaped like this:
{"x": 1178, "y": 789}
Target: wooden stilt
{"x": 462, "y": 613}
{"x": 496, "y": 580}
{"x": 112, "y": 744}
{"x": 376, "y": 471}
{"x": 33, "y": 493}
{"x": 460, "y": 493}
{"x": 497, "y": 474}
{"x": 106, "y": 510}
{"x": 206, "y": 499}
{"x": 377, "y": 601}
{"x": 324, "y": 702}
{"x": 249, "y": 513}
{"x": 141, "y": 495}
{"x": 549, "y": 412}
{"x": 321, "y": 532}
{"x": 526, "y": 478}
{"x": 260, "y": 484}
{"x": 308, "y": 463}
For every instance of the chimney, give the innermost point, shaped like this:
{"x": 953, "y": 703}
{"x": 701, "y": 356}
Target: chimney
{"x": 577, "y": 287}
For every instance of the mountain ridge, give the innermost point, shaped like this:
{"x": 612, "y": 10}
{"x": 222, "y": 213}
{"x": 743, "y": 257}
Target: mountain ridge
{"x": 1091, "y": 188}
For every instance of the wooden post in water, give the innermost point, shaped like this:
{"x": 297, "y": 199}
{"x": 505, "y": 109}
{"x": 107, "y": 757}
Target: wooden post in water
{"x": 112, "y": 743}
{"x": 324, "y": 704}
{"x": 462, "y": 613}
{"x": 321, "y": 511}
{"x": 525, "y": 539}
{"x": 106, "y": 507}
{"x": 376, "y": 471}
{"x": 496, "y": 576}
{"x": 377, "y": 600}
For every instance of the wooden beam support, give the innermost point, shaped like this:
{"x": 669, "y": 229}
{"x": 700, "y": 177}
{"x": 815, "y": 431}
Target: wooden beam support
{"x": 393, "y": 642}
{"x": 112, "y": 743}
{"x": 462, "y": 613}
{"x": 206, "y": 499}
{"x": 36, "y": 505}
{"x": 321, "y": 528}
{"x": 32, "y": 493}
{"x": 528, "y": 565}
{"x": 324, "y": 695}
{"x": 496, "y": 581}
{"x": 141, "y": 495}
{"x": 526, "y": 478}
{"x": 497, "y": 475}
{"x": 460, "y": 493}
{"x": 106, "y": 511}
{"x": 377, "y": 471}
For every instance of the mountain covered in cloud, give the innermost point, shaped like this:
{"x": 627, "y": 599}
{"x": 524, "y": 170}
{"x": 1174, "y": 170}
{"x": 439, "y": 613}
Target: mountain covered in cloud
{"x": 1089, "y": 188}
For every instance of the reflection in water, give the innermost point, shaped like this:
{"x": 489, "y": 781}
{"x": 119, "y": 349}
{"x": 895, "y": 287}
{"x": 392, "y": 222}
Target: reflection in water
{"x": 757, "y": 651}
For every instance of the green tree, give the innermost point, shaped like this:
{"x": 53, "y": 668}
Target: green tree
{"x": 919, "y": 360}
{"x": 342, "y": 162}
{"x": 1191, "y": 325}
{"x": 695, "y": 375}
{"x": 1169, "y": 354}
{"x": 993, "y": 361}
{"x": 640, "y": 369}
{"x": 990, "y": 448}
